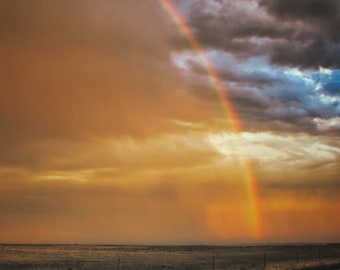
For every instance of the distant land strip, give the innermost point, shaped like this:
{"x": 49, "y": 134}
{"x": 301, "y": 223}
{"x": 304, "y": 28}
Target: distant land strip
{"x": 334, "y": 266}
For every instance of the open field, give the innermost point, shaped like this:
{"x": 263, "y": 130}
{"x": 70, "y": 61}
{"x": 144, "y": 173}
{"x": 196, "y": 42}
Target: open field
{"x": 47, "y": 257}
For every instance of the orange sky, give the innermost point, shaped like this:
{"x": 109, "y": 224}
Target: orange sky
{"x": 105, "y": 140}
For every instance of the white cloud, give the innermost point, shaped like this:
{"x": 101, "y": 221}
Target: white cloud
{"x": 325, "y": 71}
{"x": 327, "y": 124}
{"x": 271, "y": 150}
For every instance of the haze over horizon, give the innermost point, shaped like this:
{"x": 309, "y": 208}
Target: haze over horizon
{"x": 111, "y": 131}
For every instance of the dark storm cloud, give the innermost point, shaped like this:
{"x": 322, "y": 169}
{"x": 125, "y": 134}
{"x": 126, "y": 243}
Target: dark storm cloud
{"x": 309, "y": 54}
{"x": 229, "y": 28}
{"x": 271, "y": 55}
{"x": 323, "y": 12}
{"x": 318, "y": 48}
{"x": 300, "y": 33}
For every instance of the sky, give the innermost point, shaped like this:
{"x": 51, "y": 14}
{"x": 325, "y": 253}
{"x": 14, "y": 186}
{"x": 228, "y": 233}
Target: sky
{"x": 169, "y": 122}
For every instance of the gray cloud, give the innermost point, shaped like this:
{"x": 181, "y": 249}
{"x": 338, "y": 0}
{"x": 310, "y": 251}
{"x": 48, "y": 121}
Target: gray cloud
{"x": 318, "y": 12}
{"x": 268, "y": 54}
{"x": 223, "y": 29}
{"x": 309, "y": 54}
{"x": 303, "y": 33}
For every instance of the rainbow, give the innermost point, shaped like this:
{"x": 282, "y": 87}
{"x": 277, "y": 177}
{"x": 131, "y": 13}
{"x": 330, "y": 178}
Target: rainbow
{"x": 235, "y": 123}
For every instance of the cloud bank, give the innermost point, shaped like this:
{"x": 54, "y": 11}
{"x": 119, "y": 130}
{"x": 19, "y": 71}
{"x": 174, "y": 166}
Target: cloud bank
{"x": 280, "y": 59}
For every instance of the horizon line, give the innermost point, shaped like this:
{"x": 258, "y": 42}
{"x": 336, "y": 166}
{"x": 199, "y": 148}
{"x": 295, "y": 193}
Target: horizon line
{"x": 176, "y": 245}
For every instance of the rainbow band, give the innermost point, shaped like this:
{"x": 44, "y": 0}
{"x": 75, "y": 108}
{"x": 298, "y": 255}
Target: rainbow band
{"x": 251, "y": 185}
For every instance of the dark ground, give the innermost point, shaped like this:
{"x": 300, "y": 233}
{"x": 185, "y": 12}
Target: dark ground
{"x": 67, "y": 257}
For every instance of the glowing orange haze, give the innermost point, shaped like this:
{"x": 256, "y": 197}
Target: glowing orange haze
{"x": 103, "y": 140}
